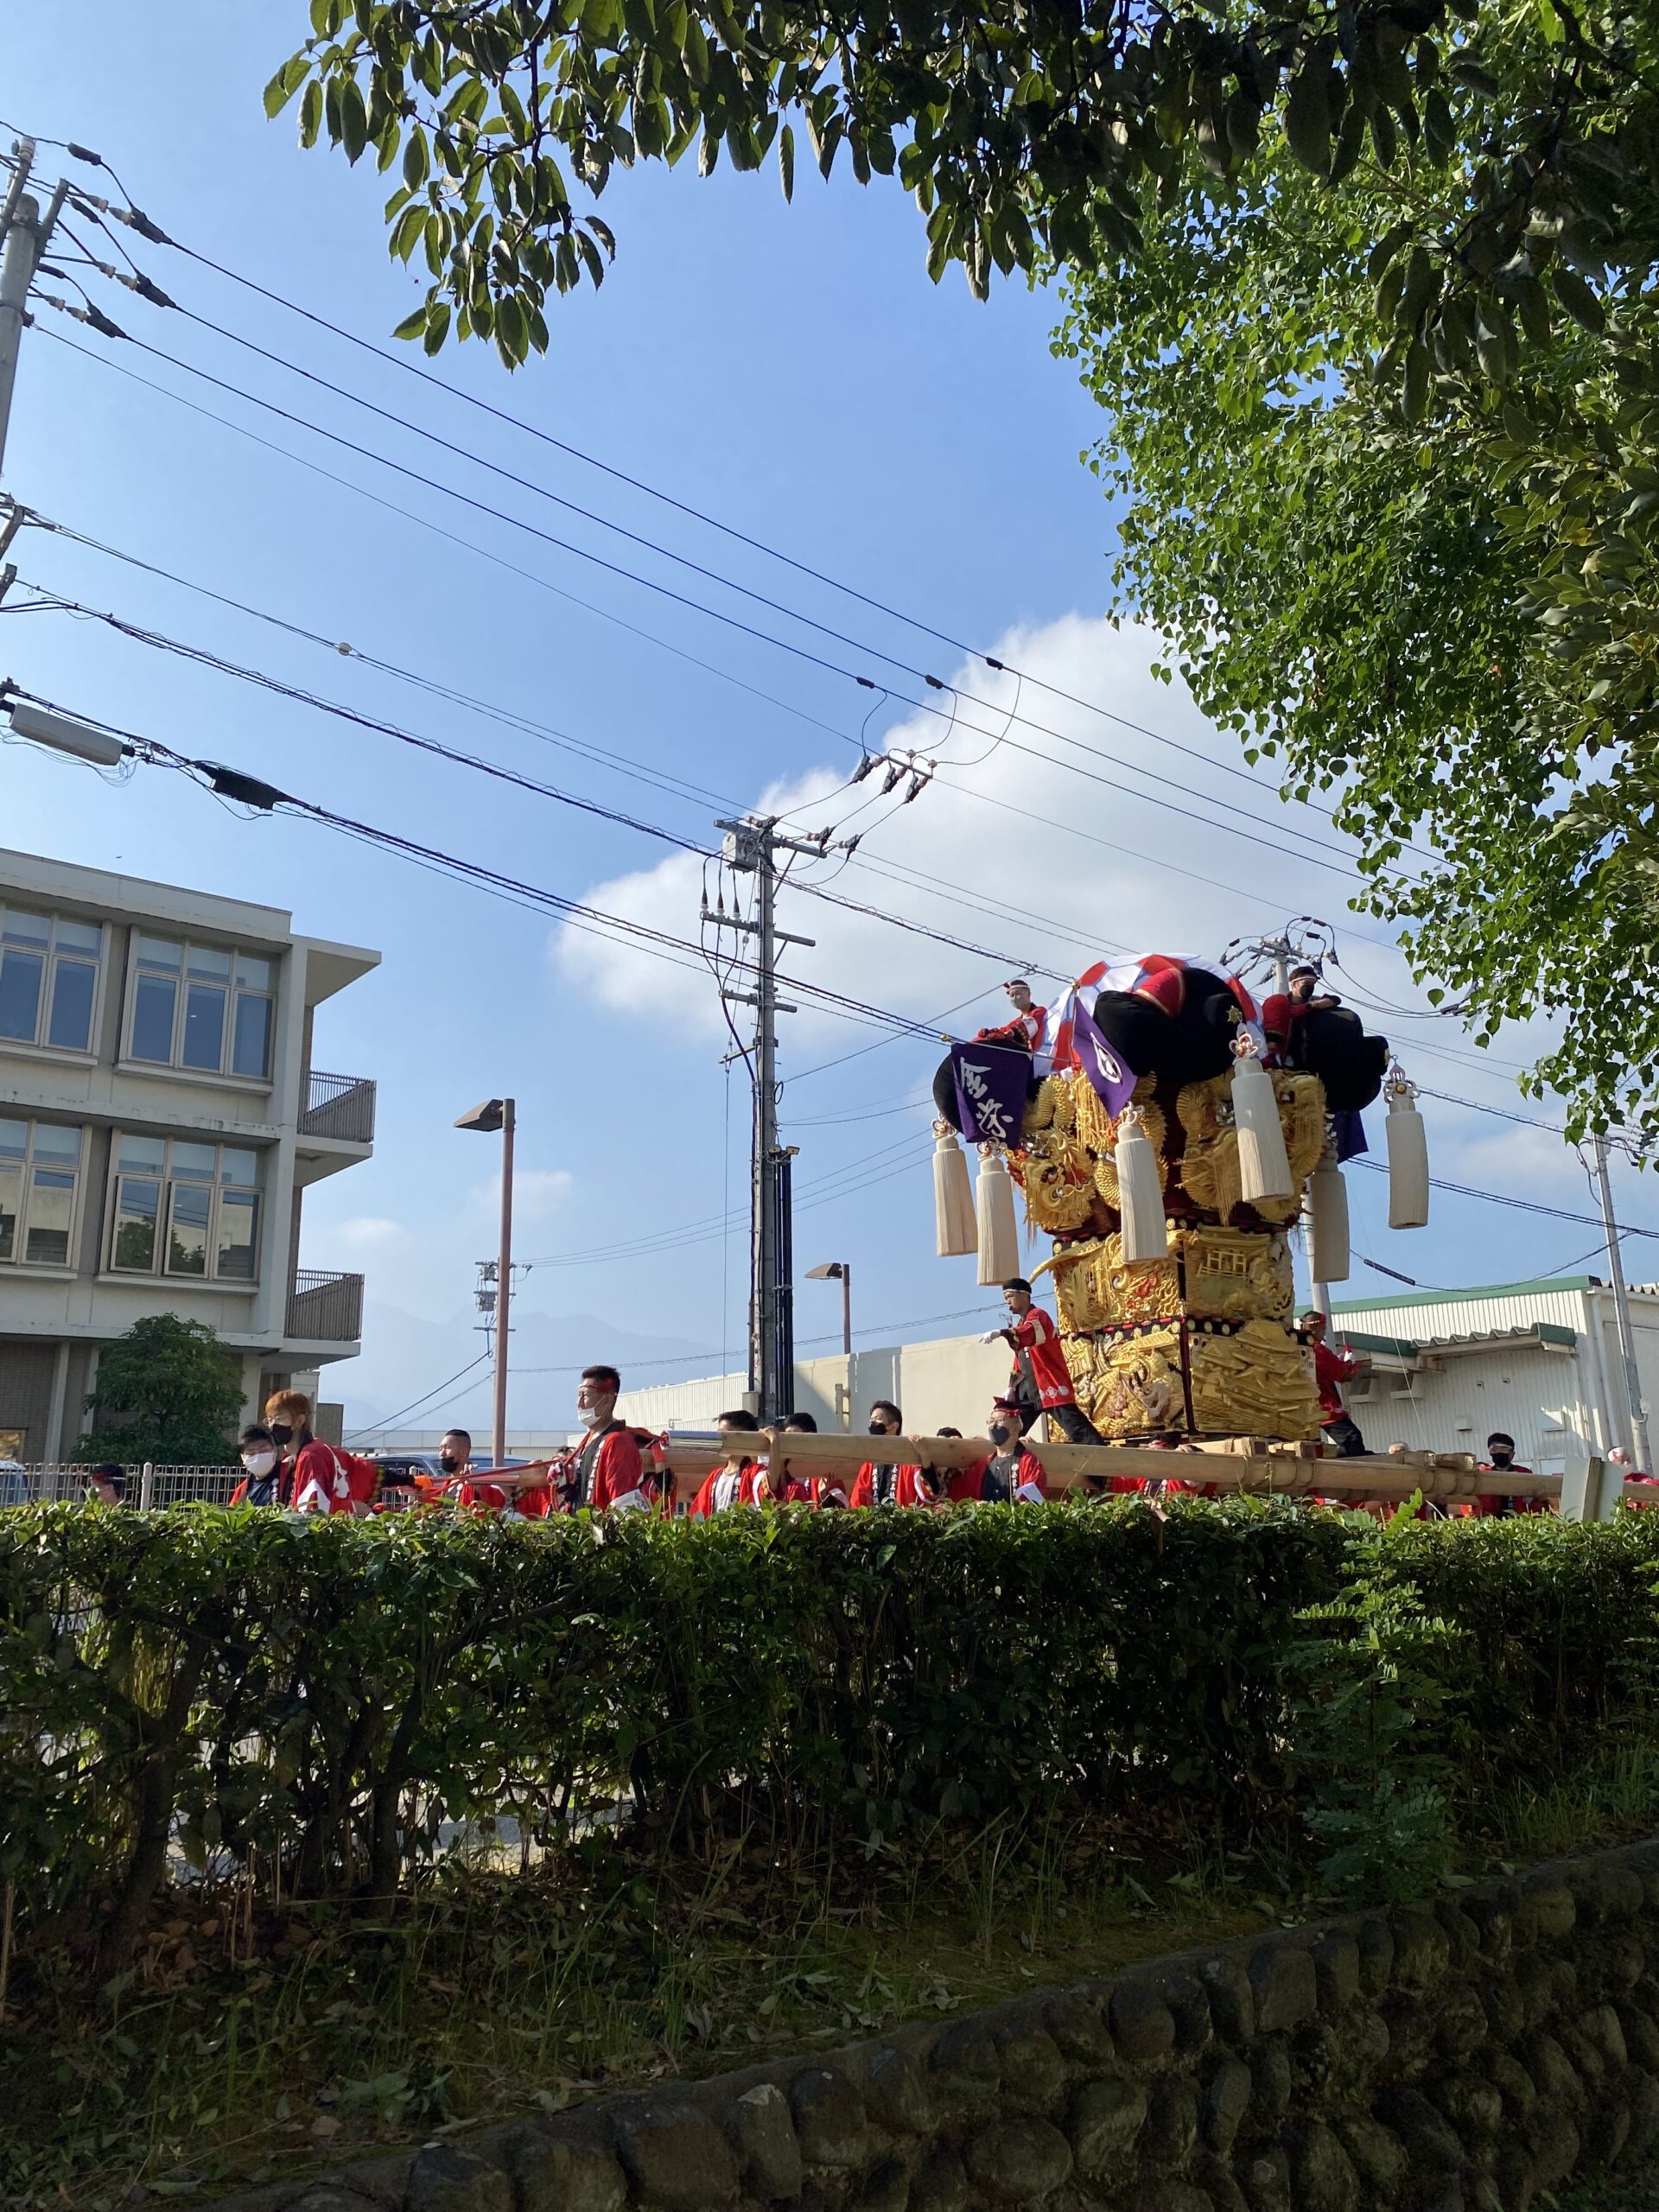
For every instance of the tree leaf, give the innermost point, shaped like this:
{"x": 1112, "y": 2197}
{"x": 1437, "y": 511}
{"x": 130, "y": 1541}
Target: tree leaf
{"x": 786, "y": 161}
{"x": 1576, "y": 296}
{"x": 1307, "y": 115}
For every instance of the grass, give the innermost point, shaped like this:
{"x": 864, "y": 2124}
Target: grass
{"x": 243, "y": 2046}
{"x": 491, "y": 1993}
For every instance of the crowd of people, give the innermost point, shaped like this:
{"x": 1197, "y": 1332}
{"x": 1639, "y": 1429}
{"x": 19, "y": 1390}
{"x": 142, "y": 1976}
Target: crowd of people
{"x": 617, "y": 1467}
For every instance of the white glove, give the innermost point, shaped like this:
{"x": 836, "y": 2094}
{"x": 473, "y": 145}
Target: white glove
{"x": 992, "y": 1337}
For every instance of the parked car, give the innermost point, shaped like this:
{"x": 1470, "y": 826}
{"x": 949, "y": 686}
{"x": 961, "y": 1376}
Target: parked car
{"x": 13, "y": 1483}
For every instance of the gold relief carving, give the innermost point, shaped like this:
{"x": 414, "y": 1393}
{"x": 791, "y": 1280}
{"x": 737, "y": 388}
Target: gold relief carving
{"x": 1256, "y": 1380}
{"x": 1073, "y": 1288}
{"x": 1098, "y": 1131}
{"x": 1127, "y": 1293}
{"x": 1058, "y": 1182}
{"x": 1302, "y": 1116}
{"x": 1236, "y": 1275}
{"x": 1137, "y": 1389}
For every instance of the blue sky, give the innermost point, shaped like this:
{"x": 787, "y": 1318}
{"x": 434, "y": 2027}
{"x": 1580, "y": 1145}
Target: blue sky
{"x": 792, "y": 371}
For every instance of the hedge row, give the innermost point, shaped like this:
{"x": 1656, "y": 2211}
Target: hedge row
{"x": 327, "y": 1691}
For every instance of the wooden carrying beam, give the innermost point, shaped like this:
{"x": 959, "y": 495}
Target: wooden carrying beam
{"x": 1444, "y": 1475}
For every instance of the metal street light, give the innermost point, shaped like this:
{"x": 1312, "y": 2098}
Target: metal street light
{"x": 839, "y": 1271}
{"x": 498, "y": 1114}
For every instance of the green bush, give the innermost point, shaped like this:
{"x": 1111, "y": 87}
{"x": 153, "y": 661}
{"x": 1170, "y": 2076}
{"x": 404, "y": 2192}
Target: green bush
{"x": 328, "y": 1692}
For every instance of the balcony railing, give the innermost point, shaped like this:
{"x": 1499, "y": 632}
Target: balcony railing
{"x": 326, "y": 1308}
{"x": 338, "y": 1106}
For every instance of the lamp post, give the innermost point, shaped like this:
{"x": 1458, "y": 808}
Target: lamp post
{"x": 839, "y": 1271}
{"x": 498, "y": 1114}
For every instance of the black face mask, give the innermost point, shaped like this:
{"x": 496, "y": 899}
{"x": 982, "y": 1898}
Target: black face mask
{"x": 280, "y": 1434}
{"x": 878, "y": 1429}
{"x": 1503, "y": 1455}
{"x": 998, "y": 1431}
{"x": 448, "y": 1462}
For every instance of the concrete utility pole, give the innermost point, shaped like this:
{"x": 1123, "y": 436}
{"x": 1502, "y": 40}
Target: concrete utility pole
{"x": 751, "y": 848}
{"x": 23, "y": 234}
{"x": 1621, "y": 1311}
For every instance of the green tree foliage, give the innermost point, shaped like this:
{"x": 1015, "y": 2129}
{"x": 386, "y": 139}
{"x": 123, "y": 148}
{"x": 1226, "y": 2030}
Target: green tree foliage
{"x": 166, "y": 1390}
{"x": 1366, "y": 287}
{"x": 1391, "y": 487}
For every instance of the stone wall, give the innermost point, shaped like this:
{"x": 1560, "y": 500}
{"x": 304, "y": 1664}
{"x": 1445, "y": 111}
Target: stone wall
{"x": 1474, "y": 2053}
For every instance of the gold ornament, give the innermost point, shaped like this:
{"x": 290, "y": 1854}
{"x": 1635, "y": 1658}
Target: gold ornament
{"x": 1236, "y": 1275}
{"x": 1254, "y": 1380}
{"x": 1099, "y": 1131}
{"x": 1058, "y": 1183}
{"x": 1137, "y": 1388}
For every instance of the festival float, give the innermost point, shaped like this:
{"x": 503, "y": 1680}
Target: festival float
{"x": 1167, "y": 1131}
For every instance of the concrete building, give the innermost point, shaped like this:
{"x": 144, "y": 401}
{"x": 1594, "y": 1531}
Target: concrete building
{"x": 1441, "y": 1371}
{"x": 1540, "y": 1359}
{"x": 160, "y": 1119}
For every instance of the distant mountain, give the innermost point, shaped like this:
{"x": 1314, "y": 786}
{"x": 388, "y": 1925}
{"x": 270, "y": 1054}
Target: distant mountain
{"x": 405, "y": 1359}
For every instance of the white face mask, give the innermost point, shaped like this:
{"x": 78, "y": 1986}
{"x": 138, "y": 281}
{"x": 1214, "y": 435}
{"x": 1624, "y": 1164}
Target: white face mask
{"x": 589, "y": 1416}
{"x": 258, "y": 1463}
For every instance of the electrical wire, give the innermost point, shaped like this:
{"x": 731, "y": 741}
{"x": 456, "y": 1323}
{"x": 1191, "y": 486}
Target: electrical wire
{"x": 415, "y": 1404}
{"x": 1023, "y": 676}
{"x": 1504, "y": 1198}
{"x": 1344, "y": 867}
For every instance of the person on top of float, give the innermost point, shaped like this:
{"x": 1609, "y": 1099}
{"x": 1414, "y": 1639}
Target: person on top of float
{"x": 1040, "y": 1381}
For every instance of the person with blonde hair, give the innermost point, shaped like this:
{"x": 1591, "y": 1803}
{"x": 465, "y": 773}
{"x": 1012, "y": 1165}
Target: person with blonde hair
{"x": 316, "y": 1478}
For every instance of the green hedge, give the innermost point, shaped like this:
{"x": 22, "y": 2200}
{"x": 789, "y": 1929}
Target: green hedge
{"x": 328, "y": 1691}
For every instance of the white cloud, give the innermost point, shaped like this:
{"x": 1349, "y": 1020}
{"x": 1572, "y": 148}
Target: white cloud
{"x": 535, "y": 1191}
{"x": 367, "y": 1232}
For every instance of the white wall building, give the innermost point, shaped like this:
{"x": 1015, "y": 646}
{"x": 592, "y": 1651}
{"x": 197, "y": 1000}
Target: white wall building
{"x": 1442, "y": 1370}
{"x": 160, "y": 1119}
{"x": 1540, "y": 1359}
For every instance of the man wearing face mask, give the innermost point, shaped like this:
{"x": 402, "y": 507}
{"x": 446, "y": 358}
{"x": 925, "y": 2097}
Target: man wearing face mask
{"x": 1501, "y": 1460}
{"x": 886, "y": 1482}
{"x": 261, "y": 1482}
{"x": 607, "y": 1475}
{"x": 1009, "y": 1474}
{"x": 316, "y": 1478}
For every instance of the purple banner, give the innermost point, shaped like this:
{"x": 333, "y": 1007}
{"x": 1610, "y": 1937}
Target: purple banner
{"x": 1349, "y": 1135}
{"x": 991, "y": 1083}
{"x": 1109, "y": 1072}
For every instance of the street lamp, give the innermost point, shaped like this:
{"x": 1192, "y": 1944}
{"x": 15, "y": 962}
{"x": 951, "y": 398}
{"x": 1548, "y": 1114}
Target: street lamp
{"x": 839, "y": 1271}
{"x": 497, "y": 1113}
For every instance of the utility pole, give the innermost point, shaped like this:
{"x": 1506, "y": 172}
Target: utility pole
{"x": 23, "y": 234}
{"x": 751, "y": 848}
{"x": 1621, "y": 1311}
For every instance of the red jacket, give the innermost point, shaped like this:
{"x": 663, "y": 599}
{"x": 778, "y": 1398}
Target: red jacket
{"x": 1030, "y": 1485}
{"x": 1039, "y": 1341}
{"x": 322, "y": 1480}
{"x": 749, "y": 1485}
{"x": 616, "y": 1482}
{"x": 1330, "y": 1368}
{"x": 908, "y": 1487}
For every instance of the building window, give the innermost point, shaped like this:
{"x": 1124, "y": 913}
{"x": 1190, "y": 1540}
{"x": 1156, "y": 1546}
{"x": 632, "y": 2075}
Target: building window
{"x": 183, "y": 1209}
{"x": 197, "y": 1006}
{"x": 39, "y": 1176}
{"x": 49, "y": 979}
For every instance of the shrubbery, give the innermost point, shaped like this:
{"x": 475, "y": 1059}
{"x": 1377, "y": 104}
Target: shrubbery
{"x": 330, "y": 1691}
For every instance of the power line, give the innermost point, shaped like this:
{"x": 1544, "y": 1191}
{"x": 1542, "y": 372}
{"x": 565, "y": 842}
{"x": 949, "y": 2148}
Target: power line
{"x": 1344, "y": 867}
{"x": 149, "y": 229}
{"x": 1504, "y": 1198}
{"x": 415, "y": 1404}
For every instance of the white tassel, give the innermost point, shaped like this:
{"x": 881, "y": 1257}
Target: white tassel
{"x": 1408, "y": 1156}
{"x": 1327, "y": 1222}
{"x": 1141, "y": 1193}
{"x": 953, "y": 1197}
{"x": 1263, "y": 1163}
{"x": 998, "y": 1233}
